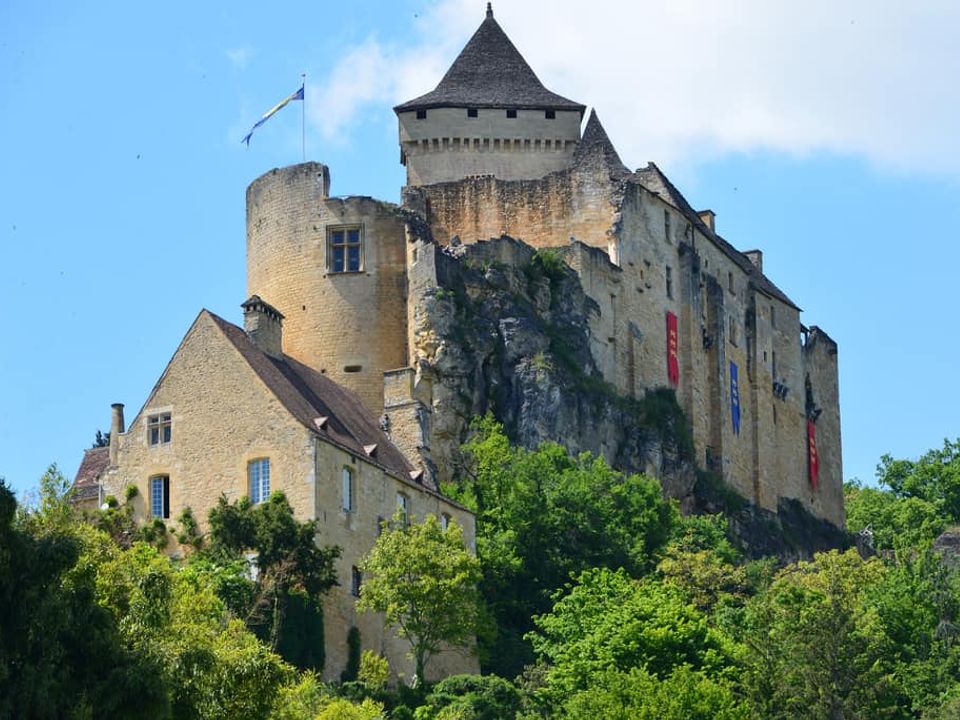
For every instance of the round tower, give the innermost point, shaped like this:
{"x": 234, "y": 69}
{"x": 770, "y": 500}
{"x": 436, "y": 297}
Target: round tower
{"x": 335, "y": 268}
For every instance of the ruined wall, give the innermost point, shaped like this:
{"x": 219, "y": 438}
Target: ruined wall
{"x": 446, "y": 144}
{"x": 349, "y": 325}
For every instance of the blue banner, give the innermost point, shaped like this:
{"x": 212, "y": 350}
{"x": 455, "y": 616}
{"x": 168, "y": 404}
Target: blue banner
{"x": 734, "y": 398}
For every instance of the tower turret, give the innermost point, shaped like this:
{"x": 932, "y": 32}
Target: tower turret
{"x": 490, "y": 115}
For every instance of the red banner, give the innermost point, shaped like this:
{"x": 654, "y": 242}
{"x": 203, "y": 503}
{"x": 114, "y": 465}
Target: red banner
{"x": 673, "y": 362}
{"x": 813, "y": 459}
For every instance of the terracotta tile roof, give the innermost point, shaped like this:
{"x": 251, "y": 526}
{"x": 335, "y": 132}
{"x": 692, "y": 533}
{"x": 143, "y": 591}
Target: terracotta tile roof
{"x": 86, "y": 483}
{"x": 653, "y": 179}
{"x": 490, "y": 72}
{"x": 309, "y": 395}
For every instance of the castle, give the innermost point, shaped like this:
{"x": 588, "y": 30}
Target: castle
{"x": 333, "y": 393}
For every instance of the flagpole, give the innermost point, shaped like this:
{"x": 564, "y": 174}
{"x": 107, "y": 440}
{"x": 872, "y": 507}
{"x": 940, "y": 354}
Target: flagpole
{"x": 303, "y": 116}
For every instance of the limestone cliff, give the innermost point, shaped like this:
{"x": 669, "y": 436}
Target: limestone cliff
{"x": 505, "y": 329}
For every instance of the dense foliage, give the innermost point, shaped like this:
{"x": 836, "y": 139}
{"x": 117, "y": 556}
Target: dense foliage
{"x": 602, "y": 602}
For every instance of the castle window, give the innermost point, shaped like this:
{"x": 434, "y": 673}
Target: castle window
{"x": 730, "y": 282}
{"x": 421, "y": 114}
{"x": 258, "y": 476}
{"x": 346, "y": 481}
{"x": 773, "y": 317}
{"x": 669, "y": 282}
{"x": 356, "y": 580}
{"x": 345, "y": 245}
{"x": 159, "y": 429}
{"x": 471, "y": 112}
{"x": 666, "y": 224}
{"x": 445, "y": 521}
{"x": 550, "y": 114}
{"x": 733, "y": 331}
{"x": 160, "y": 496}
{"x": 511, "y": 114}
{"x": 403, "y": 508}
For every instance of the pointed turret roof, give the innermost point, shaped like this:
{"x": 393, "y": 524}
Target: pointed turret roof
{"x": 490, "y": 72}
{"x": 595, "y": 143}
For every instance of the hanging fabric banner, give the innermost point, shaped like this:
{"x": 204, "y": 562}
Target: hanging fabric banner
{"x": 734, "y": 398}
{"x": 813, "y": 459}
{"x": 673, "y": 361}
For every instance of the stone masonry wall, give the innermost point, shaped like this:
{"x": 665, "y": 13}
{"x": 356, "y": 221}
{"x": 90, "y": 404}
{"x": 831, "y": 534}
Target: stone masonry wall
{"x": 223, "y": 417}
{"x": 351, "y": 325}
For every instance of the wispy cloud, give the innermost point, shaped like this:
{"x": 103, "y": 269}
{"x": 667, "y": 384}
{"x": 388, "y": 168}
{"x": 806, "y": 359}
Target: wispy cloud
{"x": 693, "y": 79}
{"x": 239, "y": 57}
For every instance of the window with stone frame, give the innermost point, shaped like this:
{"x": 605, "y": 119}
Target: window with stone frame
{"x": 347, "y": 489}
{"x": 356, "y": 581}
{"x": 345, "y": 249}
{"x": 258, "y": 479}
{"x": 403, "y": 508}
{"x": 159, "y": 429}
{"x": 160, "y": 496}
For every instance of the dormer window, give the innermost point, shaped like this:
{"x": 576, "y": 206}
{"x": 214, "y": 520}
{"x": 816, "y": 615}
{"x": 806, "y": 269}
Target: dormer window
{"x": 512, "y": 114}
{"x": 159, "y": 429}
{"x": 471, "y": 112}
{"x": 550, "y": 114}
{"x": 421, "y": 114}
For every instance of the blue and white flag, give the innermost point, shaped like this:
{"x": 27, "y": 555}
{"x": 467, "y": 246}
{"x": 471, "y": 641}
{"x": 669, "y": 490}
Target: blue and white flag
{"x": 298, "y": 95}
{"x": 734, "y": 398}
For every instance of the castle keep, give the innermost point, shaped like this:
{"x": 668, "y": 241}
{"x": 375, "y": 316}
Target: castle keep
{"x": 490, "y": 153}
{"x": 373, "y": 332}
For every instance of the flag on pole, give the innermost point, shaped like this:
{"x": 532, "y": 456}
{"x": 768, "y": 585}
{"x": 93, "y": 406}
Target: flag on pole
{"x": 298, "y": 95}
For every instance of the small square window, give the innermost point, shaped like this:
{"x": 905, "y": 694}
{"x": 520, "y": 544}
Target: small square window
{"x": 550, "y": 114}
{"x": 345, "y": 249}
{"x": 159, "y": 429}
{"x": 511, "y": 113}
{"x": 471, "y": 112}
{"x": 258, "y": 476}
{"x": 346, "y": 481}
{"x": 160, "y": 496}
{"x": 421, "y": 114}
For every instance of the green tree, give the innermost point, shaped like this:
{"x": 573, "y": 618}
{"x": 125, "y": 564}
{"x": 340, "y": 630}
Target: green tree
{"x": 610, "y": 621}
{"x": 817, "y": 647}
{"x": 685, "y": 694}
{"x": 894, "y": 521}
{"x": 935, "y": 477}
{"x": 472, "y": 697}
{"x": 425, "y": 582}
{"x": 542, "y": 516}
{"x": 288, "y": 557}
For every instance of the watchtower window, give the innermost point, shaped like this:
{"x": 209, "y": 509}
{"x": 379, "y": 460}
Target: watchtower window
{"x": 421, "y": 114}
{"x": 511, "y": 113}
{"x": 471, "y": 112}
{"x": 669, "y": 282}
{"x": 345, "y": 249}
{"x": 550, "y": 114}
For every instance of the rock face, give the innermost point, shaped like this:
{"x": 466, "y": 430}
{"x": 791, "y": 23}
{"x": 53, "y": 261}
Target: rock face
{"x": 505, "y": 330}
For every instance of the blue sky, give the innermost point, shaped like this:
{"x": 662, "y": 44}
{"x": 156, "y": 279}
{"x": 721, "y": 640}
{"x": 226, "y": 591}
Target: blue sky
{"x": 825, "y": 134}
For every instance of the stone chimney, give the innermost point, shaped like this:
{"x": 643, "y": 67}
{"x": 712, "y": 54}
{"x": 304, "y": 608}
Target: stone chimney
{"x": 708, "y": 218}
{"x": 117, "y": 428}
{"x": 756, "y": 257}
{"x": 264, "y": 324}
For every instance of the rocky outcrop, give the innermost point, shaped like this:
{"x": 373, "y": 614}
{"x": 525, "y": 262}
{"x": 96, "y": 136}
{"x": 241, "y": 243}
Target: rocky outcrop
{"x": 506, "y": 332}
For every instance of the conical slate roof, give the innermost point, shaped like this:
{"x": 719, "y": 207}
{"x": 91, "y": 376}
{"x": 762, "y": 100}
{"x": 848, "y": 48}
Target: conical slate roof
{"x": 595, "y": 143}
{"x": 490, "y": 72}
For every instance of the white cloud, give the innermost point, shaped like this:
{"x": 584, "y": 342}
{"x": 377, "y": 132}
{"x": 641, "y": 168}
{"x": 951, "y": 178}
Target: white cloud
{"x": 239, "y": 57}
{"x": 687, "y": 79}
